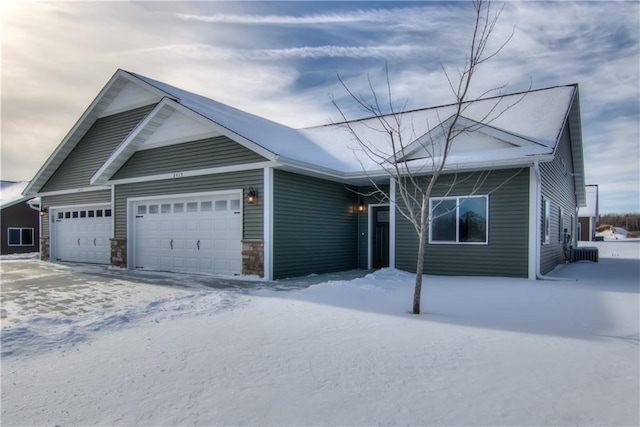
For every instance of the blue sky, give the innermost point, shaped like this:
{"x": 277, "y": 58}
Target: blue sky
{"x": 281, "y": 60}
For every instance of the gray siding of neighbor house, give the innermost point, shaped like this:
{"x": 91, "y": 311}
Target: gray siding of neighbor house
{"x": 94, "y": 149}
{"x": 71, "y": 199}
{"x": 202, "y": 154}
{"x": 506, "y": 254}
{"x": 19, "y": 215}
{"x": 314, "y": 226}
{"x": 557, "y": 187}
{"x": 252, "y": 214}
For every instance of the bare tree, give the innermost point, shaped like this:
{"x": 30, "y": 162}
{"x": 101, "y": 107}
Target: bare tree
{"x": 413, "y": 186}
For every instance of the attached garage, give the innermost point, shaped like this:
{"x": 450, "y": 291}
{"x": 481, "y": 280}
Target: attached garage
{"x": 201, "y": 233}
{"x": 81, "y": 234}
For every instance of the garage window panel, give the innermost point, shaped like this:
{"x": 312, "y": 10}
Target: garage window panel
{"x": 142, "y": 209}
{"x": 153, "y": 209}
{"x": 165, "y": 208}
{"x": 221, "y": 205}
{"x": 192, "y": 207}
{"x": 178, "y": 207}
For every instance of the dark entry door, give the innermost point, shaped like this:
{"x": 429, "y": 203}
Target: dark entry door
{"x": 380, "y": 234}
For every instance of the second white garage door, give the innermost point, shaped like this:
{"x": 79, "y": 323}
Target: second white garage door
{"x": 197, "y": 234}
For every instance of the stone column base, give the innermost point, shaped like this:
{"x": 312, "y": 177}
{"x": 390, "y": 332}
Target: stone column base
{"x": 119, "y": 252}
{"x": 253, "y": 257}
{"x": 45, "y": 254}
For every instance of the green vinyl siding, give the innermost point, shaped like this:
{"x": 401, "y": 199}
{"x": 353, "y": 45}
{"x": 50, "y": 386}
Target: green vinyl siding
{"x": 314, "y": 226}
{"x": 557, "y": 187}
{"x": 94, "y": 149}
{"x": 506, "y": 253}
{"x": 252, "y": 214}
{"x": 201, "y": 154}
{"x": 71, "y": 199}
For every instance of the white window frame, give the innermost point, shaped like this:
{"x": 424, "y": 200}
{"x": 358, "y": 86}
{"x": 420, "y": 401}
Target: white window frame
{"x": 434, "y": 201}
{"x": 546, "y": 221}
{"x": 560, "y": 225}
{"x": 33, "y": 236}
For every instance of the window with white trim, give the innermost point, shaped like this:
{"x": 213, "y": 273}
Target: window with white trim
{"x": 546, "y": 226}
{"x": 561, "y": 225}
{"x": 459, "y": 220}
{"x": 20, "y": 236}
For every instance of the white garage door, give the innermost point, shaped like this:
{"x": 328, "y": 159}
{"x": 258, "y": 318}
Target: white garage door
{"x": 200, "y": 234}
{"x": 82, "y": 234}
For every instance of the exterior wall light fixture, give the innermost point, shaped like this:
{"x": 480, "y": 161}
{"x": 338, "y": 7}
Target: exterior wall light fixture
{"x": 361, "y": 207}
{"x": 43, "y": 211}
{"x": 252, "y": 196}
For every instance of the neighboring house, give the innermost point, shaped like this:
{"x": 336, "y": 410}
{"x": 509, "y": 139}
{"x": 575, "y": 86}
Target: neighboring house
{"x": 588, "y": 215}
{"x": 155, "y": 177}
{"x": 19, "y": 222}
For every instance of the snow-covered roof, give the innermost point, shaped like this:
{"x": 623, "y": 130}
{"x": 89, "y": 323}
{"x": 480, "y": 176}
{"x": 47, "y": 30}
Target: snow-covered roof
{"x": 591, "y": 210}
{"x": 11, "y": 193}
{"x": 516, "y": 129}
{"x": 537, "y": 117}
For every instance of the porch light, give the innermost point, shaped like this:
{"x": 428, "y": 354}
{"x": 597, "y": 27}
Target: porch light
{"x": 43, "y": 211}
{"x": 252, "y": 196}
{"x": 361, "y": 207}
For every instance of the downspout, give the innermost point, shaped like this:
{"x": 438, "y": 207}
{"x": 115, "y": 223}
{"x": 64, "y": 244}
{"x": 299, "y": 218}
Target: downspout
{"x": 538, "y": 230}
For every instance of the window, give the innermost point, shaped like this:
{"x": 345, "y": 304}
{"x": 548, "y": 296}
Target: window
{"x": 459, "y": 220}
{"x": 165, "y": 208}
{"x": 142, "y": 209}
{"x": 546, "y": 226}
{"x": 560, "y": 225}
{"x": 178, "y": 207}
{"x": 20, "y": 236}
{"x": 192, "y": 207}
{"x": 221, "y": 205}
{"x": 205, "y": 206}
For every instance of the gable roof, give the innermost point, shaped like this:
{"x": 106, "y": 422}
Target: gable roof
{"x": 528, "y": 125}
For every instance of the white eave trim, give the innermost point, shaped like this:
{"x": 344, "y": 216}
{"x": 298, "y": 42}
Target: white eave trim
{"x": 192, "y": 173}
{"x": 75, "y": 190}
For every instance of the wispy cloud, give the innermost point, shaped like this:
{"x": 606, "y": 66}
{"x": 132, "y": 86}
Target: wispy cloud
{"x": 375, "y": 15}
{"x": 305, "y": 52}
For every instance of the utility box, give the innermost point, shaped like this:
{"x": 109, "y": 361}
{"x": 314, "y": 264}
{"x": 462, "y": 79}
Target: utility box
{"x": 584, "y": 254}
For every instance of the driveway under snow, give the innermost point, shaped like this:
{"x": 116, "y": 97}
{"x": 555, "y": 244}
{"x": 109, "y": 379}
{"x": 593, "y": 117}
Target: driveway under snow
{"x": 486, "y": 351}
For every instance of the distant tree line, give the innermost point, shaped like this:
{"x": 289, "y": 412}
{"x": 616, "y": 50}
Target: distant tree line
{"x": 629, "y": 221}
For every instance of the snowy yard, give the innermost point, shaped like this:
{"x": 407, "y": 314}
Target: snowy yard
{"x": 487, "y": 351}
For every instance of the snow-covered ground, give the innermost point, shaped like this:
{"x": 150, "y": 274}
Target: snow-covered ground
{"x": 486, "y": 351}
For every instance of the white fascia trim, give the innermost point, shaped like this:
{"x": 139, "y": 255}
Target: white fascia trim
{"x": 534, "y": 223}
{"x": 268, "y": 224}
{"x": 191, "y": 173}
{"x": 75, "y": 190}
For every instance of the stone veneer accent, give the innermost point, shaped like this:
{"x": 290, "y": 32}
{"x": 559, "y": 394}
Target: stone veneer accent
{"x": 119, "y": 253}
{"x": 253, "y": 257}
{"x": 44, "y": 249}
